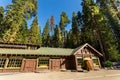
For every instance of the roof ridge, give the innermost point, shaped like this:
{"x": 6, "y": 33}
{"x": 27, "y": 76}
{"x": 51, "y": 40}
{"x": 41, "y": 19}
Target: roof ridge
{"x": 55, "y": 47}
{"x": 17, "y": 49}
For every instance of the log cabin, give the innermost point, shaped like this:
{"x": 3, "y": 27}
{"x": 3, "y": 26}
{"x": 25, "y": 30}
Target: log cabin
{"x": 16, "y": 57}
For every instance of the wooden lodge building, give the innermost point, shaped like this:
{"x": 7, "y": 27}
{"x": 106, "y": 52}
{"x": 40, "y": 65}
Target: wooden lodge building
{"x": 29, "y": 58}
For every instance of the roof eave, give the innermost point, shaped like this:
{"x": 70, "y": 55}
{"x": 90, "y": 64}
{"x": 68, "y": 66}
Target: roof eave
{"x": 90, "y": 47}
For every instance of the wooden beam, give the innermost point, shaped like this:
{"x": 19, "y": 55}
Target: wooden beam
{"x": 22, "y": 65}
{"x": 6, "y": 63}
{"x": 99, "y": 63}
{"x": 75, "y": 61}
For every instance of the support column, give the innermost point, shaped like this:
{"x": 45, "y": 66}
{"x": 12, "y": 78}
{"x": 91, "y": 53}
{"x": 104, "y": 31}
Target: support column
{"x": 22, "y": 65}
{"x": 49, "y": 64}
{"x": 99, "y": 63}
{"x": 6, "y": 63}
{"x": 76, "y": 62}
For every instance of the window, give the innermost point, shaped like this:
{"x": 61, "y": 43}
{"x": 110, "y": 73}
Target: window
{"x": 80, "y": 61}
{"x": 95, "y": 61}
{"x": 43, "y": 62}
{"x": 14, "y": 62}
{"x": 2, "y": 62}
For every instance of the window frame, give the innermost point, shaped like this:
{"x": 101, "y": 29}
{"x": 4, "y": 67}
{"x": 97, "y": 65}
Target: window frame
{"x": 43, "y": 62}
{"x": 1, "y": 62}
{"x": 14, "y": 62}
{"x": 94, "y": 59}
{"x": 79, "y": 63}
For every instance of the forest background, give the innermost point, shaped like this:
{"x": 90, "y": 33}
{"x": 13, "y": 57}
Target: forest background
{"x": 97, "y": 23}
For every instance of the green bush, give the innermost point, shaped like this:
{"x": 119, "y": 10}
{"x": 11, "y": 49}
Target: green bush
{"x": 108, "y": 64}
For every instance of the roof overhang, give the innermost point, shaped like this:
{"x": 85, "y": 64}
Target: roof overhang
{"x": 87, "y": 45}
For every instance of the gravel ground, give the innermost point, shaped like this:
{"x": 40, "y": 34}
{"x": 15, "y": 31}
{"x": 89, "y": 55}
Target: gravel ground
{"x": 92, "y": 75}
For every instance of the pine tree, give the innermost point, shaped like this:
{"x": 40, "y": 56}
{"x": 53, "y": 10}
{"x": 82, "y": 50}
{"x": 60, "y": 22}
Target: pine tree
{"x": 110, "y": 10}
{"x": 69, "y": 41}
{"x": 46, "y": 35}
{"x": 1, "y": 21}
{"x": 35, "y": 36}
{"x": 63, "y": 23}
{"x": 96, "y": 22}
{"x": 1, "y": 15}
{"x": 57, "y": 37}
{"x": 22, "y": 35}
{"x": 75, "y": 31}
{"x": 87, "y": 35}
{"x": 16, "y": 13}
{"x": 79, "y": 19}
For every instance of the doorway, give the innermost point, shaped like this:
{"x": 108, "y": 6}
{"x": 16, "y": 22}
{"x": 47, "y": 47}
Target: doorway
{"x": 89, "y": 65}
{"x": 55, "y": 64}
{"x": 30, "y": 65}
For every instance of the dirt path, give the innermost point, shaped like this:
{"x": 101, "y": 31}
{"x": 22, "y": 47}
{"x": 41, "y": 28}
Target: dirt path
{"x": 92, "y": 75}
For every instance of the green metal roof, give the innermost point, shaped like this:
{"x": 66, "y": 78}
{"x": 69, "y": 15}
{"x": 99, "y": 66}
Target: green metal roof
{"x": 40, "y": 51}
{"x": 54, "y": 51}
{"x": 46, "y": 51}
{"x": 76, "y": 49}
{"x": 16, "y": 51}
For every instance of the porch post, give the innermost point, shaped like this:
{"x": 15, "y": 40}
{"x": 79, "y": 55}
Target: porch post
{"x": 22, "y": 65}
{"x": 49, "y": 64}
{"x": 99, "y": 63}
{"x": 76, "y": 62}
{"x": 6, "y": 63}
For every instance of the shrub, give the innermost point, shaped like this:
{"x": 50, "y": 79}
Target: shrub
{"x": 108, "y": 64}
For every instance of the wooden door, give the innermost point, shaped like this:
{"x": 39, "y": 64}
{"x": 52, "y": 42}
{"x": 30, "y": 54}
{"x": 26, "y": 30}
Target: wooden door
{"x": 90, "y": 64}
{"x": 55, "y": 64}
{"x": 30, "y": 65}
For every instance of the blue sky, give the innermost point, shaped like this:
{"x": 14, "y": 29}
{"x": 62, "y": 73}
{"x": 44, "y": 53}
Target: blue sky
{"x": 47, "y": 8}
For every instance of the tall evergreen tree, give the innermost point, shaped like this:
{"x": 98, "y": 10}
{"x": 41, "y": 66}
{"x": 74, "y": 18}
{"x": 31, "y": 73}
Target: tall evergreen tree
{"x": 79, "y": 20}
{"x": 1, "y": 15}
{"x": 63, "y": 23}
{"x": 110, "y": 10}
{"x": 46, "y": 35}
{"x": 57, "y": 37}
{"x": 75, "y": 31}
{"x": 35, "y": 36}
{"x": 69, "y": 41}
{"x": 22, "y": 35}
{"x": 1, "y": 21}
{"x": 87, "y": 35}
{"x": 17, "y": 12}
{"x": 95, "y": 21}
